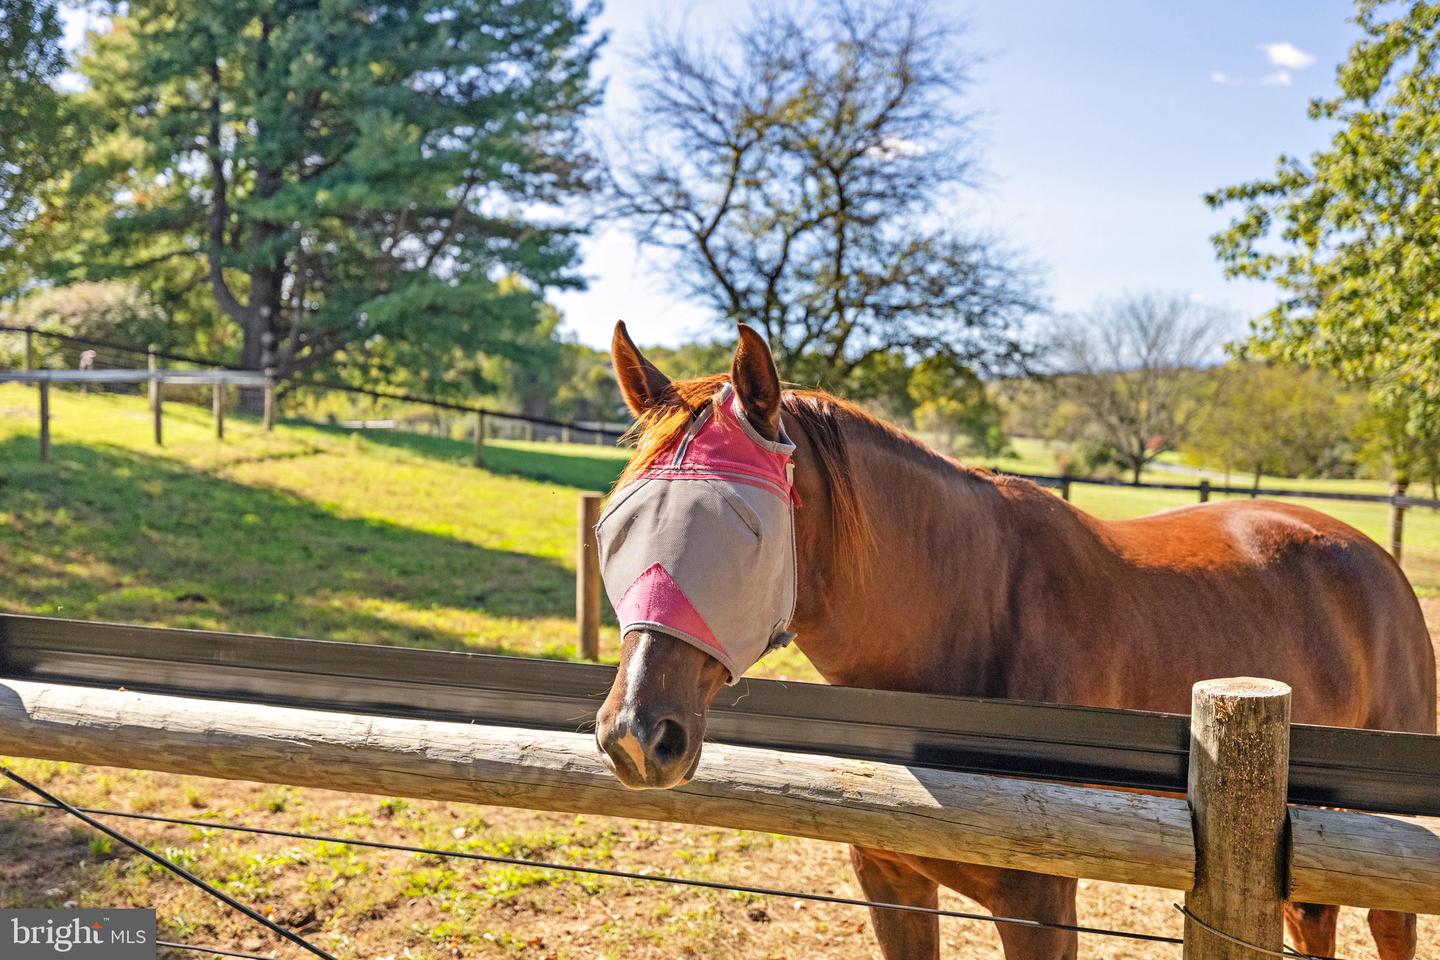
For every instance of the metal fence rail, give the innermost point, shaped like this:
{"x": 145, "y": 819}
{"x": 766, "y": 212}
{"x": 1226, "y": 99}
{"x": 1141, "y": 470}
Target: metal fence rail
{"x": 1359, "y": 769}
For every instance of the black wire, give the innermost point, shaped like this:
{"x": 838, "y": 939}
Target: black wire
{"x": 618, "y": 874}
{"x": 175, "y": 868}
{"x": 1285, "y": 949}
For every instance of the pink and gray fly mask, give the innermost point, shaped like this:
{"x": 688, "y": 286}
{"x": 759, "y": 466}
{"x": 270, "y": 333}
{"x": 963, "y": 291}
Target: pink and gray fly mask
{"x": 702, "y": 546}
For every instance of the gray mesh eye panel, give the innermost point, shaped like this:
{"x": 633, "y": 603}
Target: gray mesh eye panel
{"x": 703, "y": 547}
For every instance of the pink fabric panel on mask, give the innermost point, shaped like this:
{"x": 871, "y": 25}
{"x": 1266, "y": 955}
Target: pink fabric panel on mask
{"x": 656, "y": 598}
{"x": 730, "y": 448}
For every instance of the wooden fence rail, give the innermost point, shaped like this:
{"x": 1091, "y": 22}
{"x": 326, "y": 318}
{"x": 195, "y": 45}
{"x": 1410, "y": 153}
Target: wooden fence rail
{"x": 1333, "y": 857}
{"x": 1397, "y": 499}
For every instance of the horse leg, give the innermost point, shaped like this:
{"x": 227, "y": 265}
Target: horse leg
{"x": 1024, "y": 896}
{"x": 1034, "y": 896}
{"x": 1312, "y": 927}
{"x": 1394, "y": 933}
{"x": 902, "y": 935}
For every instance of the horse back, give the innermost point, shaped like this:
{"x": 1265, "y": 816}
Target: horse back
{"x": 1150, "y": 606}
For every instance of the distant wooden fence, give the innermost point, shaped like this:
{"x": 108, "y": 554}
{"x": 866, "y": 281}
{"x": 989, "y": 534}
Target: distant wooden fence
{"x": 1397, "y": 498}
{"x": 157, "y": 379}
{"x": 486, "y": 423}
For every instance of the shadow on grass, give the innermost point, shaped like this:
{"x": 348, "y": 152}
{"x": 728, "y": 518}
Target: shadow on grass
{"x": 564, "y": 466}
{"x": 107, "y": 533}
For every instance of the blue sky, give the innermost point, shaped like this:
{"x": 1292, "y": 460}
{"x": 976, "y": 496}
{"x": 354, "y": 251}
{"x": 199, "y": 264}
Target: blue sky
{"x": 1103, "y": 123}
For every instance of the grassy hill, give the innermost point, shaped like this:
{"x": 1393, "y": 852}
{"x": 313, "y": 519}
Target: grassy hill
{"x": 309, "y": 531}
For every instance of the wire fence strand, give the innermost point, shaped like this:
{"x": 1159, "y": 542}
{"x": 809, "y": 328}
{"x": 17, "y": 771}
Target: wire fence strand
{"x": 620, "y": 874}
{"x": 170, "y": 865}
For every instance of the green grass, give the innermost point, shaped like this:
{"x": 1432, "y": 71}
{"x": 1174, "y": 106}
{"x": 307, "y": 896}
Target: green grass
{"x": 311, "y": 531}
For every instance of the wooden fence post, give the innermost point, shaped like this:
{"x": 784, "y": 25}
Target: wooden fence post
{"x": 1397, "y": 518}
{"x": 157, "y": 407}
{"x": 1204, "y": 491}
{"x": 529, "y": 431}
{"x": 479, "y": 458}
{"x": 152, "y": 363}
{"x": 29, "y": 348}
{"x": 587, "y": 577}
{"x": 44, "y": 420}
{"x": 269, "y": 401}
{"x": 1065, "y": 488}
{"x": 217, "y": 407}
{"x": 1239, "y": 761}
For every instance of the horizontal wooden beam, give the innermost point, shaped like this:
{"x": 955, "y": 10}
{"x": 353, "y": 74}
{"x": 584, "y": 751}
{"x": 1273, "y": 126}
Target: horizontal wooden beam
{"x": 1051, "y": 828}
{"x": 1365, "y": 860}
{"x": 1337, "y": 856}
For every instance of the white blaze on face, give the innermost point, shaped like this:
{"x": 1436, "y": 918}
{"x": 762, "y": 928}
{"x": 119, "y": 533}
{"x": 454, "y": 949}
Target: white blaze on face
{"x": 634, "y": 682}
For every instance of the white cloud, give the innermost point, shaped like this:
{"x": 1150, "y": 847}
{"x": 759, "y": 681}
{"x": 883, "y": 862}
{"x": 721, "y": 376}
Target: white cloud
{"x": 1280, "y": 78}
{"x": 892, "y": 148}
{"x": 1220, "y": 76}
{"x": 1285, "y": 54}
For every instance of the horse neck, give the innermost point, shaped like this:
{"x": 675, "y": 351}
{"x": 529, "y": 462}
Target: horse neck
{"x": 923, "y": 604}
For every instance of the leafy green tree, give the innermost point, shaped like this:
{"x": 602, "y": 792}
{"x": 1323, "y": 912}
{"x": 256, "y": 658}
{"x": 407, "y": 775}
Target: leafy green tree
{"x": 1392, "y": 446}
{"x": 1276, "y": 419}
{"x": 1352, "y": 236}
{"x": 107, "y": 310}
{"x": 372, "y": 185}
{"x": 32, "y": 118}
{"x": 794, "y": 175}
{"x": 955, "y": 409}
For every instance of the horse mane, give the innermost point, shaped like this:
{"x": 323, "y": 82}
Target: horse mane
{"x": 820, "y": 415}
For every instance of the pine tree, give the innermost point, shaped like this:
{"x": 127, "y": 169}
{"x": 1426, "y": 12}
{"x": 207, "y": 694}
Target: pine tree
{"x": 379, "y": 186}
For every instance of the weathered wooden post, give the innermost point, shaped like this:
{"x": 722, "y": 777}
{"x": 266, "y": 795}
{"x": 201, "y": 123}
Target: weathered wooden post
{"x": 529, "y": 431}
{"x": 217, "y": 407}
{"x": 29, "y": 348}
{"x": 157, "y": 408}
{"x": 269, "y": 400}
{"x": 44, "y": 420}
{"x": 152, "y": 363}
{"x": 1204, "y": 491}
{"x": 479, "y": 458}
{"x": 587, "y": 577}
{"x": 1239, "y": 761}
{"x": 1397, "y": 518}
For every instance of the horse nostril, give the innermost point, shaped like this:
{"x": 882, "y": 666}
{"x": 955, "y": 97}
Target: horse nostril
{"x": 667, "y": 742}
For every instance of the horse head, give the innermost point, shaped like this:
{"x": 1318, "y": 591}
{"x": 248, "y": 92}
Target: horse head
{"x": 697, "y": 551}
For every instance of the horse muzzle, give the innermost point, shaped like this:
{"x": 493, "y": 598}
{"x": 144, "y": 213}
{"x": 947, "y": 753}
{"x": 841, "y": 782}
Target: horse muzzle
{"x": 651, "y": 727}
{"x": 649, "y": 753}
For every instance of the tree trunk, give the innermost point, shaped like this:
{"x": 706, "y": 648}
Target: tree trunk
{"x": 1138, "y": 466}
{"x": 1255, "y": 487}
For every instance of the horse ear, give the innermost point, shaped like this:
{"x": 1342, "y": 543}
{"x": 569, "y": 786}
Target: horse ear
{"x": 757, "y": 382}
{"x": 641, "y": 382}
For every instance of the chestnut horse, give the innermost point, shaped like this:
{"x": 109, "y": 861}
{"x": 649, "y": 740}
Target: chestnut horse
{"x": 916, "y": 573}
